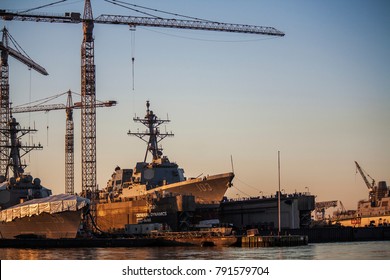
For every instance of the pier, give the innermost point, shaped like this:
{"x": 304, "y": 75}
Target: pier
{"x": 290, "y": 238}
{"x": 169, "y": 239}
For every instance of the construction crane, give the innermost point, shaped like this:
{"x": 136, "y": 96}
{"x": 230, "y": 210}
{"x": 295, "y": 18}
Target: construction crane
{"x": 321, "y": 206}
{"x": 7, "y": 50}
{"x": 371, "y": 186}
{"x": 88, "y": 112}
{"x": 343, "y": 210}
{"x": 69, "y": 134}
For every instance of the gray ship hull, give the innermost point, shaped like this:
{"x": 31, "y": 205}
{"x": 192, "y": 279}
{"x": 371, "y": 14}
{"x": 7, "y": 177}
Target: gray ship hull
{"x": 58, "y": 225}
{"x": 206, "y": 190}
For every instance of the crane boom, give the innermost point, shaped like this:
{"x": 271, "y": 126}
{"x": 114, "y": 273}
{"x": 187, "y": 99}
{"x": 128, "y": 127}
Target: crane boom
{"x": 188, "y": 24}
{"x": 369, "y": 186}
{"x": 51, "y": 107}
{"x": 73, "y": 17}
{"x": 53, "y": 18}
{"x": 27, "y": 61}
{"x": 372, "y": 189}
{"x": 40, "y": 108}
{"x": 325, "y": 204}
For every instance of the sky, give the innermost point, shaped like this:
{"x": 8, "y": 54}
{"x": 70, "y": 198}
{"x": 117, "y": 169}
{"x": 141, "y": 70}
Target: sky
{"x": 320, "y": 95}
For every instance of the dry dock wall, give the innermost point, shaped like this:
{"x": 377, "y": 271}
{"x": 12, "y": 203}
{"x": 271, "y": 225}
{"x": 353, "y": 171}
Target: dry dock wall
{"x": 259, "y": 212}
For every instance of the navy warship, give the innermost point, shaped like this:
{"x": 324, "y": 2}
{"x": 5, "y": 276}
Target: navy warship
{"x": 157, "y": 191}
{"x": 15, "y": 185}
{"x": 27, "y": 208}
{"x": 161, "y": 175}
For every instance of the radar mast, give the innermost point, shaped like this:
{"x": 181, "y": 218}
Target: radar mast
{"x": 15, "y": 132}
{"x": 152, "y": 136}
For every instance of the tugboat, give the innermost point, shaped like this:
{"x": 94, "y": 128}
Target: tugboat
{"x": 162, "y": 175}
{"x": 29, "y": 210}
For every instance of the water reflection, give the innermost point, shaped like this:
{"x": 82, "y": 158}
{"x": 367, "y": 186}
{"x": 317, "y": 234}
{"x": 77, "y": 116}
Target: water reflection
{"x": 329, "y": 251}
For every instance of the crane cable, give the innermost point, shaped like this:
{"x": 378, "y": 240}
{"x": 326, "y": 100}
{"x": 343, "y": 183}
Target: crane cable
{"x": 132, "y": 30}
{"x": 135, "y": 10}
{"x": 43, "y": 100}
{"x": 115, "y": 2}
{"x": 17, "y": 46}
{"x": 43, "y": 6}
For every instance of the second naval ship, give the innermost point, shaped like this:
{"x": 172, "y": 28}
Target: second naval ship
{"x": 28, "y": 209}
{"x": 161, "y": 176}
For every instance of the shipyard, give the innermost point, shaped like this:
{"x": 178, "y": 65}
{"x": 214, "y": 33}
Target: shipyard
{"x": 180, "y": 137}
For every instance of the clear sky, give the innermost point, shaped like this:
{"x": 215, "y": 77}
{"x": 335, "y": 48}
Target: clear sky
{"x": 320, "y": 95}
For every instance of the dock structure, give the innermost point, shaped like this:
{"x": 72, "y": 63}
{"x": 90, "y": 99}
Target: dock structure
{"x": 262, "y": 212}
{"x": 273, "y": 241}
{"x": 167, "y": 240}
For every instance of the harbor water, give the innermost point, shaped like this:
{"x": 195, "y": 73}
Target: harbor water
{"x": 372, "y": 250}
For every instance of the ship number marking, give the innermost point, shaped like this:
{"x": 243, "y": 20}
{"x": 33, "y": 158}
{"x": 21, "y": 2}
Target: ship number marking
{"x": 204, "y": 187}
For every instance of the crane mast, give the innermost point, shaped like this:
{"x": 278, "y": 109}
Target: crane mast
{"x": 88, "y": 119}
{"x": 4, "y": 106}
{"x": 88, "y": 100}
{"x": 69, "y": 146}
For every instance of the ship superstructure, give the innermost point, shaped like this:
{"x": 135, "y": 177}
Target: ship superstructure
{"x": 16, "y": 186}
{"x": 160, "y": 171}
